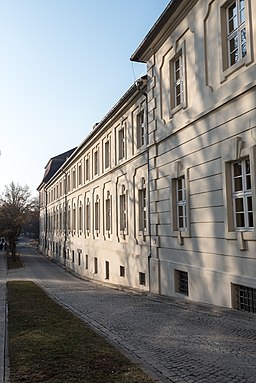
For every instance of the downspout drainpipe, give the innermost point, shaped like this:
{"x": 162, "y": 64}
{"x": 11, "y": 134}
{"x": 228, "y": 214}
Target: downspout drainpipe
{"x": 138, "y": 84}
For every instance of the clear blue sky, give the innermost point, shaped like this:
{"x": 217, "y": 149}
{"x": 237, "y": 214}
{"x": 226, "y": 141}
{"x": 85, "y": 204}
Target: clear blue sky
{"x": 64, "y": 64}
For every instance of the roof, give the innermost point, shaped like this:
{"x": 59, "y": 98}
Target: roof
{"x": 158, "y": 30}
{"x": 55, "y": 163}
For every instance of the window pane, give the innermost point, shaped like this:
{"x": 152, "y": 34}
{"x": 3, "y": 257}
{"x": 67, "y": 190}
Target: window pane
{"x": 237, "y": 169}
{"x": 243, "y": 42}
{"x": 240, "y": 220}
{"x": 239, "y": 204}
{"x": 238, "y": 184}
{"x": 242, "y": 11}
{"x": 232, "y": 17}
{"x": 250, "y": 219}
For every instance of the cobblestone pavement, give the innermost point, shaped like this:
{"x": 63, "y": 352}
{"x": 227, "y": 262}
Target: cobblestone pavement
{"x": 176, "y": 341}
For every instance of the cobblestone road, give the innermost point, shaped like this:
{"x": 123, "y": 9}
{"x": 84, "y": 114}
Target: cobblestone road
{"x": 176, "y": 341}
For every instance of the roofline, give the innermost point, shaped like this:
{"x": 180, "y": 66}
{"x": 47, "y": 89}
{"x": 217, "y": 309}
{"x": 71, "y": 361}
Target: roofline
{"x": 138, "y": 55}
{"x": 136, "y": 87}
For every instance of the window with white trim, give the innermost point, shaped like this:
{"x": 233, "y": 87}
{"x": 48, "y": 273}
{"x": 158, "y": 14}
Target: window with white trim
{"x": 96, "y": 162}
{"x": 121, "y": 143}
{"x": 181, "y": 204}
{"x": 142, "y": 210}
{"x": 108, "y": 214}
{"x": 80, "y": 217}
{"x": 237, "y": 35}
{"x": 141, "y": 131}
{"x": 88, "y": 216}
{"x": 178, "y": 82}
{"x": 80, "y": 174}
{"x": 123, "y": 211}
{"x": 242, "y": 195}
{"x": 97, "y": 215}
{"x": 236, "y": 31}
{"x": 74, "y": 218}
{"x": 74, "y": 178}
{"x": 107, "y": 154}
{"x": 87, "y": 169}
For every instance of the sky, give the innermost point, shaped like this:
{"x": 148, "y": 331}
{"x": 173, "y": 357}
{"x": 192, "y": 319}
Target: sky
{"x": 63, "y": 65}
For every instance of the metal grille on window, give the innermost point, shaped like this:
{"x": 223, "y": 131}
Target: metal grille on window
{"x": 181, "y": 282}
{"x": 245, "y": 298}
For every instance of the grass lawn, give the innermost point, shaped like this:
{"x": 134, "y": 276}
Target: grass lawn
{"x": 49, "y": 344}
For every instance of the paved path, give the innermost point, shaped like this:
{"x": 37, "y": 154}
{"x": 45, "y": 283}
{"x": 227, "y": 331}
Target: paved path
{"x": 175, "y": 341}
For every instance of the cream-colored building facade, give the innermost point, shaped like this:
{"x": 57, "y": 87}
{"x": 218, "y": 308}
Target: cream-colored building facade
{"x": 161, "y": 195}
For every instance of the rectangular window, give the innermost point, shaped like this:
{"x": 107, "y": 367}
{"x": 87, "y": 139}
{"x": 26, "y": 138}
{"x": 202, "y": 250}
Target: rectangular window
{"x": 69, "y": 219}
{"x": 181, "y": 282}
{"x": 74, "y": 178}
{"x": 88, "y": 216}
{"x": 107, "y": 154}
{"x": 68, "y": 182}
{"x": 242, "y": 195}
{"x": 86, "y": 262}
{"x": 79, "y": 174}
{"x": 122, "y": 271}
{"x": 79, "y": 257}
{"x": 236, "y": 31}
{"x": 80, "y": 217}
{"x": 74, "y": 218}
{"x": 95, "y": 265}
{"x": 181, "y": 204}
{"x": 121, "y": 143}
{"x": 97, "y": 215}
{"x": 73, "y": 256}
{"x": 123, "y": 213}
{"x": 107, "y": 270}
{"x": 142, "y": 210}
{"x": 178, "y": 81}
{"x": 142, "y": 279}
{"x": 108, "y": 213}
{"x": 96, "y": 162}
{"x": 244, "y": 298}
{"x": 87, "y": 169}
{"x": 141, "y": 139}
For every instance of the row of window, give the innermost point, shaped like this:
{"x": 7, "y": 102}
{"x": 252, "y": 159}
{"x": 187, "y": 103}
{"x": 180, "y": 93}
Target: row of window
{"x": 85, "y": 216}
{"x": 242, "y": 200}
{"x": 80, "y": 261}
{"x": 100, "y": 159}
{"x": 234, "y": 50}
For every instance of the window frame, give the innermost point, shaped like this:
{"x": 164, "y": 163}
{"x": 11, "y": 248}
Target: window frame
{"x": 142, "y": 198}
{"x": 121, "y": 142}
{"x": 180, "y": 54}
{"x": 141, "y": 129}
{"x": 226, "y": 68}
{"x": 107, "y": 153}
{"x": 179, "y": 171}
{"x": 123, "y": 211}
{"x": 243, "y": 195}
{"x": 233, "y": 152}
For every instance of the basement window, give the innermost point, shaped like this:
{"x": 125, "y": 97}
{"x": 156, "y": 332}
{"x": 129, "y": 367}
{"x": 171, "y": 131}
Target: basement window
{"x": 181, "y": 282}
{"x": 244, "y": 298}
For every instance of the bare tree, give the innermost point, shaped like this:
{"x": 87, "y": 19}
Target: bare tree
{"x": 15, "y": 207}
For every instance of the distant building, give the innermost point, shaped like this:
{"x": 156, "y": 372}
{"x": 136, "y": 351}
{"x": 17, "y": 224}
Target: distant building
{"x": 161, "y": 195}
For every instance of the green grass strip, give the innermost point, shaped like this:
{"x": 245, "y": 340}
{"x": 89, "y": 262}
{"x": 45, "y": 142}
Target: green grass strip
{"x": 47, "y": 343}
